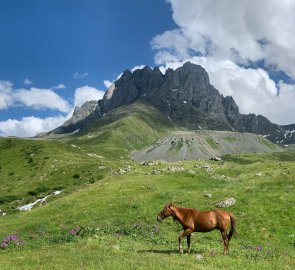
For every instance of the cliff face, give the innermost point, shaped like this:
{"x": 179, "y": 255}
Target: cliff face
{"x": 184, "y": 95}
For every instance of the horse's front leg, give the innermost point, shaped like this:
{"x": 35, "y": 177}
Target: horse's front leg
{"x": 181, "y": 236}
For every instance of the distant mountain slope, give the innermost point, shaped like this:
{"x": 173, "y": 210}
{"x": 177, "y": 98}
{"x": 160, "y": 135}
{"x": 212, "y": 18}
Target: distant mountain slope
{"x": 203, "y": 145}
{"x": 185, "y": 96}
{"x": 288, "y": 136}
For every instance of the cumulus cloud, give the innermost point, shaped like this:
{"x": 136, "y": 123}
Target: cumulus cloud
{"x": 59, "y": 86}
{"x": 35, "y": 98}
{"x": 29, "y": 126}
{"x": 233, "y": 30}
{"x": 227, "y": 36}
{"x": 78, "y": 75}
{"x": 41, "y": 99}
{"x": 27, "y": 81}
{"x": 87, "y": 93}
{"x": 5, "y": 94}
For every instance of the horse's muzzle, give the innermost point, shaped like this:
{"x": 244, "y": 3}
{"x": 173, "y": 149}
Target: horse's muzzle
{"x": 159, "y": 219}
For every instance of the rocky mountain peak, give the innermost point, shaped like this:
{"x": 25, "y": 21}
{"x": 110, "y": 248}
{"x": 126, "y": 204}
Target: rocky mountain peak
{"x": 184, "y": 95}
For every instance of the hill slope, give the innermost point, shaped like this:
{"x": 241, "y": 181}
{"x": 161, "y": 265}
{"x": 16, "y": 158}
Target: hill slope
{"x": 203, "y": 145}
{"x": 117, "y": 218}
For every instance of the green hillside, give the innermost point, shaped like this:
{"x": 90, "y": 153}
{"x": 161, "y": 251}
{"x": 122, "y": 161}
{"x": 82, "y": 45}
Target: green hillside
{"x": 105, "y": 217}
{"x": 125, "y": 128}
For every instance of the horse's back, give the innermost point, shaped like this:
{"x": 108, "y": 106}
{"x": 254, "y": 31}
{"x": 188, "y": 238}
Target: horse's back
{"x": 206, "y": 221}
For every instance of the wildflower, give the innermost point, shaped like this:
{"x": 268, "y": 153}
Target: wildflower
{"x": 258, "y": 248}
{"x": 74, "y": 232}
{"x": 9, "y": 240}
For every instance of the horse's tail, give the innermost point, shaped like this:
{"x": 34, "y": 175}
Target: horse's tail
{"x": 233, "y": 230}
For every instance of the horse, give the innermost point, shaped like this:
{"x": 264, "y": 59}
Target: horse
{"x": 194, "y": 220}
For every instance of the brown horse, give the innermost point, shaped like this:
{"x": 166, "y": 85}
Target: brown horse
{"x": 193, "y": 220}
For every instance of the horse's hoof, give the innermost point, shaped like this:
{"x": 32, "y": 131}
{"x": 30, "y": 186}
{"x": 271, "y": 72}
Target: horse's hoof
{"x": 188, "y": 251}
{"x": 180, "y": 251}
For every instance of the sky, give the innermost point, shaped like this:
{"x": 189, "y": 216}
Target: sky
{"x": 57, "y": 54}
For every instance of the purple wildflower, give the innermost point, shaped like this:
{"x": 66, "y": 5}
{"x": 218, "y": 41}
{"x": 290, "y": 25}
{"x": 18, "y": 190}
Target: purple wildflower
{"x": 10, "y": 239}
{"x": 258, "y": 248}
{"x": 74, "y": 232}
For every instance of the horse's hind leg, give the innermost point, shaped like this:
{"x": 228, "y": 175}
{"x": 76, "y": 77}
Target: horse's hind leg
{"x": 181, "y": 236}
{"x": 188, "y": 238}
{"x": 225, "y": 241}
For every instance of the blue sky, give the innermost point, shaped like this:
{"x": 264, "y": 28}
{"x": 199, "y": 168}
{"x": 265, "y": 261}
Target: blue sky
{"x": 55, "y": 54}
{"x": 48, "y": 41}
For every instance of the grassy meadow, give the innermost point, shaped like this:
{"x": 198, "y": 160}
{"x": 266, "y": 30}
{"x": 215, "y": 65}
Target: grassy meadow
{"x": 105, "y": 215}
{"x": 114, "y": 211}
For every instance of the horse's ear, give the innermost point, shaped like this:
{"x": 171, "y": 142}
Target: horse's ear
{"x": 170, "y": 204}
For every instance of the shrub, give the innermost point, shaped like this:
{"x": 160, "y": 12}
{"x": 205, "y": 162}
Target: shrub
{"x": 42, "y": 189}
{"x": 8, "y": 198}
{"x": 58, "y": 188}
{"x": 32, "y": 192}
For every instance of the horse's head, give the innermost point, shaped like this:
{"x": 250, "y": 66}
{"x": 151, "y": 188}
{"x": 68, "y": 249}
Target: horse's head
{"x": 166, "y": 212}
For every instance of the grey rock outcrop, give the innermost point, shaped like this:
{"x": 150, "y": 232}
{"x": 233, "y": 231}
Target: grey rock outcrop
{"x": 185, "y": 96}
{"x": 80, "y": 115}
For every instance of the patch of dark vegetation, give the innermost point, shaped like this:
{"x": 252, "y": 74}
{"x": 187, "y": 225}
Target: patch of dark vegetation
{"x": 58, "y": 188}
{"x": 240, "y": 160}
{"x": 8, "y": 198}
{"x": 284, "y": 156}
{"x": 38, "y": 191}
{"x": 176, "y": 146}
{"x": 32, "y": 193}
{"x": 76, "y": 175}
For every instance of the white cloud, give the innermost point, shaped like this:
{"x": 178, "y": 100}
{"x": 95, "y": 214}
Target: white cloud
{"x": 41, "y": 99}
{"x": 5, "y": 94}
{"x": 87, "y": 93}
{"x": 238, "y": 30}
{"x": 59, "y": 86}
{"x": 78, "y": 75}
{"x": 27, "y": 81}
{"x": 29, "y": 126}
{"x": 107, "y": 83}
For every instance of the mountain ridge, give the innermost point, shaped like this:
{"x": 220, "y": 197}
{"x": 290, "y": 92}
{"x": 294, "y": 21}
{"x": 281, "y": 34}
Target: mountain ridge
{"x": 185, "y": 96}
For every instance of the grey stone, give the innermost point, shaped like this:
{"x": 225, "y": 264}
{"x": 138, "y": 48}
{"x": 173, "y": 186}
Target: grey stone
{"x": 226, "y": 203}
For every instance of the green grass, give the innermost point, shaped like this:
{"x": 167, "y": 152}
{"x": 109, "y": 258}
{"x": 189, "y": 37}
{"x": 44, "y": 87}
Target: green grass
{"x": 211, "y": 143}
{"x": 32, "y": 169}
{"x": 116, "y": 213}
{"x": 230, "y": 139}
{"x": 269, "y": 144}
{"x": 120, "y": 214}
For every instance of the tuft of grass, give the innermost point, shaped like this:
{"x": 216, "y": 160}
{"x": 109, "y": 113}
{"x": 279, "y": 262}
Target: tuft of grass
{"x": 211, "y": 143}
